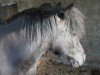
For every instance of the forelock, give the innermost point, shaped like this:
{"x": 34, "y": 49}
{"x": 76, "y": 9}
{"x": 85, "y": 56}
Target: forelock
{"x": 75, "y": 22}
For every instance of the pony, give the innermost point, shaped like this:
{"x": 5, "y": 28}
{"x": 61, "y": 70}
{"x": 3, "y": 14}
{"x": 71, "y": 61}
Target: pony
{"x": 26, "y": 36}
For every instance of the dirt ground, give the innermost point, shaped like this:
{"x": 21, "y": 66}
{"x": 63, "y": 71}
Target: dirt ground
{"x": 53, "y": 68}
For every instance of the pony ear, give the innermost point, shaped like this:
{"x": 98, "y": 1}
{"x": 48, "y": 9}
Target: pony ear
{"x": 62, "y": 10}
{"x": 59, "y": 4}
{"x": 69, "y": 7}
{"x": 59, "y": 8}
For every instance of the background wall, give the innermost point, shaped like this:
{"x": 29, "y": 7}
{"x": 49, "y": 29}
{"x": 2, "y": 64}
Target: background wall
{"x": 91, "y": 10}
{"x": 91, "y": 42}
{"x": 23, "y": 4}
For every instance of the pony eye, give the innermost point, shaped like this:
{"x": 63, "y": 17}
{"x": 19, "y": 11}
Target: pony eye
{"x": 74, "y": 34}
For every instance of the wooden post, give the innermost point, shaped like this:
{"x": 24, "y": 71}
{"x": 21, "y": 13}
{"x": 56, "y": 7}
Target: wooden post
{"x": 7, "y": 10}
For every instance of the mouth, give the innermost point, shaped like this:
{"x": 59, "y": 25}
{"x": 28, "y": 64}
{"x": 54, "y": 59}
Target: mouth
{"x": 73, "y": 62}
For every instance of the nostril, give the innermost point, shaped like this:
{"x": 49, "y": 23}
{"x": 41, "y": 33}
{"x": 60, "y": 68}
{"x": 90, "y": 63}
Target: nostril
{"x": 74, "y": 63}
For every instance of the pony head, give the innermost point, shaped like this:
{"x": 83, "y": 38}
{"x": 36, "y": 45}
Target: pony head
{"x": 70, "y": 29}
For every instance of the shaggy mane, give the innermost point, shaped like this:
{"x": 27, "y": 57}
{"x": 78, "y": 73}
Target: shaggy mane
{"x": 76, "y": 21}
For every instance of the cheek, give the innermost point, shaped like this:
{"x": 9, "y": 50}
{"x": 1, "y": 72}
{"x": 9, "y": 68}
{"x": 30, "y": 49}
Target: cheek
{"x": 64, "y": 42}
{"x": 62, "y": 39}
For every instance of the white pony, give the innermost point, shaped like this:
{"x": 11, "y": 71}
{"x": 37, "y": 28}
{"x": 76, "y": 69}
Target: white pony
{"x": 25, "y": 37}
